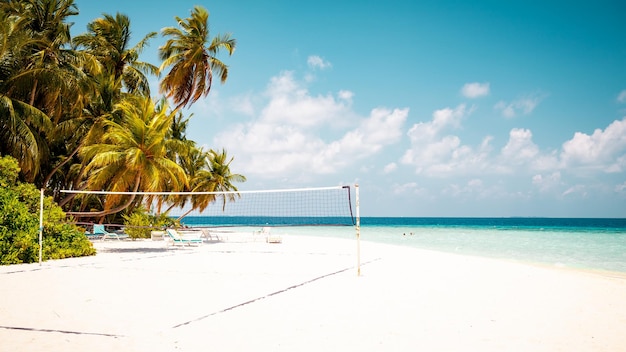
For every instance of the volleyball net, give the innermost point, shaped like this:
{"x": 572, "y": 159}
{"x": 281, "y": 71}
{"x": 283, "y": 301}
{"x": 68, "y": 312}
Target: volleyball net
{"x": 321, "y": 206}
{"x": 330, "y": 206}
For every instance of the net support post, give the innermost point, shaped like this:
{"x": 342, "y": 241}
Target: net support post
{"x": 40, "y": 226}
{"x": 358, "y": 231}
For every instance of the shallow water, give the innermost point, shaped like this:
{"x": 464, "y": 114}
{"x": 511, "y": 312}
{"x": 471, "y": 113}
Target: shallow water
{"x": 596, "y": 244}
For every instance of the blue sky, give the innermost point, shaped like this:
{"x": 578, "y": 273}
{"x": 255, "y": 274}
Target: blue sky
{"x": 435, "y": 108}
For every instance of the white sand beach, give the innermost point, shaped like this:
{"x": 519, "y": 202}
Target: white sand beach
{"x": 304, "y": 295}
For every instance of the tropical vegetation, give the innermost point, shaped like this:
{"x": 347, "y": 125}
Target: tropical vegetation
{"x": 19, "y": 222}
{"x": 77, "y": 112}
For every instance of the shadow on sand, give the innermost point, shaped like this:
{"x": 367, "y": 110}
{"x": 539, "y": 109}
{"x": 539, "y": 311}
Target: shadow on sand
{"x": 133, "y": 250}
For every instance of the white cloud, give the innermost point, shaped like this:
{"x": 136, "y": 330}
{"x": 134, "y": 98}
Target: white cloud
{"x": 442, "y": 120}
{"x": 346, "y": 95}
{"x": 521, "y": 154}
{"x": 618, "y": 166}
{"x": 213, "y": 102}
{"x": 577, "y": 189}
{"x": 520, "y": 147}
{"x": 292, "y": 104}
{"x": 475, "y": 90}
{"x": 389, "y": 168}
{"x": 383, "y": 127}
{"x": 243, "y": 104}
{"x": 435, "y": 153}
{"x": 474, "y": 188}
{"x": 298, "y": 135}
{"x": 604, "y": 149}
{"x": 621, "y": 97}
{"x": 547, "y": 182}
{"x": 410, "y": 188}
{"x": 318, "y": 62}
{"x": 295, "y": 135}
{"x": 524, "y": 105}
{"x": 475, "y": 183}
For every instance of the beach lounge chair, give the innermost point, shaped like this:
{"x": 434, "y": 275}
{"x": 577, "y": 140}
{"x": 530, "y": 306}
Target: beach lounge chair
{"x": 209, "y": 235}
{"x": 93, "y": 236}
{"x": 262, "y": 233}
{"x": 192, "y": 238}
{"x": 99, "y": 230}
{"x": 270, "y": 238}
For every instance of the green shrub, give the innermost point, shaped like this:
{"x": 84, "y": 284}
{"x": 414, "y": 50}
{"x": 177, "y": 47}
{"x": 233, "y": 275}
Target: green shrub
{"x": 18, "y": 231}
{"x": 66, "y": 242}
{"x": 137, "y": 225}
{"x": 19, "y": 223}
{"x": 140, "y": 223}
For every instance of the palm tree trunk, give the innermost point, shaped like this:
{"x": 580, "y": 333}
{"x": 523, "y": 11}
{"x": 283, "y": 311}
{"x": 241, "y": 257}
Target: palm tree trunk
{"x": 169, "y": 208}
{"x": 32, "y": 93}
{"x": 56, "y": 168}
{"x": 182, "y": 216}
{"x": 84, "y": 214}
{"x": 70, "y": 196}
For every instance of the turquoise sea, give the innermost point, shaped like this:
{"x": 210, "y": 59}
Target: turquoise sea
{"x": 596, "y": 244}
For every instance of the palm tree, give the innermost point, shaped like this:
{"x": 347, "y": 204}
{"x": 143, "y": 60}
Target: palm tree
{"x": 88, "y": 127}
{"x": 132, "y": 156}
{"x": 43, "y": 18}
{"x": 192, "y": 160}
{"x": 216, "y": 177}
{"x": 50, "y": 69}
{"x": 82, "y": 106}
{"x": 108, "y": 42}
{"x": 185, "y": 152}
{"x": 108, "y": 39}
{"x": 47, "y": 75}
{"x": 207, "y": 172}
{"x": 21, "y": 124}
{"x": 192, "y": 59}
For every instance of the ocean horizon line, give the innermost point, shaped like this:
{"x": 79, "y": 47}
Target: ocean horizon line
{"x": 613, "y": 224}
{"x": 413, "y": 217}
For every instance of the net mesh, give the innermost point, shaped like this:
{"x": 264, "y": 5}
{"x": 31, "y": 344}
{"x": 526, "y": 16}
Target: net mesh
{"x": 327, "y": 206}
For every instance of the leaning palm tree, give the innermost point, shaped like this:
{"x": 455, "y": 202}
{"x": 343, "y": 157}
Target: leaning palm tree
{"x": 132, "y": 156}
{"x": 193, "y": 59}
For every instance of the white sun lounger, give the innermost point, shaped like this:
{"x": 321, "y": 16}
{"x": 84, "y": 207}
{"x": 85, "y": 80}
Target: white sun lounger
{"x": 270, "y": 238}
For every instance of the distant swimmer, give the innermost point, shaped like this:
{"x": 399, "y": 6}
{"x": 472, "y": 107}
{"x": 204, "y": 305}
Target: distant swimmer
{"x": 404, "y": 234}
